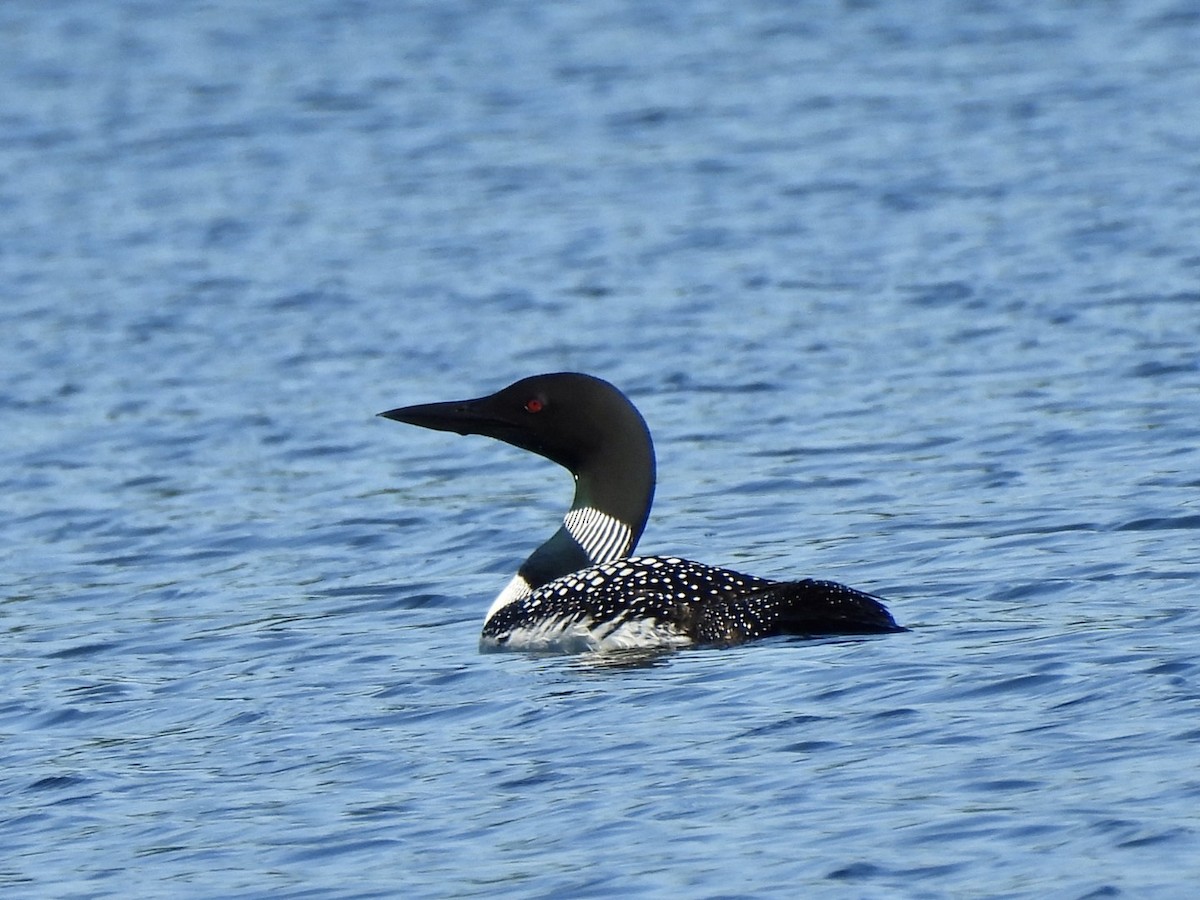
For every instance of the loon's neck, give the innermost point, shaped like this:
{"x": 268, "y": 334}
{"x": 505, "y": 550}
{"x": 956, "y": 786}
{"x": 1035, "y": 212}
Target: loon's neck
{"x": 614, "y": 490}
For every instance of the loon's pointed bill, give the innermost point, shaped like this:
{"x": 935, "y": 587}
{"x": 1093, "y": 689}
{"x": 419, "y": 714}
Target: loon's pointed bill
{"x": 582, "y": 589}
{"x": 462, "y": 417}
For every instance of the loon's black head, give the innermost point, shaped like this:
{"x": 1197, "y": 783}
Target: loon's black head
{"x": 576, "y": 420}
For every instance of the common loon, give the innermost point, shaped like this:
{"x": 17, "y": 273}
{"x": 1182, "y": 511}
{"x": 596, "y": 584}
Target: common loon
{"x": 581, "y": 590}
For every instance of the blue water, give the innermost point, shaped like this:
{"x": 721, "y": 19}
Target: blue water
{"x": 908, "y": 293}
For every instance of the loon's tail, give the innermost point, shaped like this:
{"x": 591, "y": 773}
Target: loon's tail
{"x": 809, "y": 608}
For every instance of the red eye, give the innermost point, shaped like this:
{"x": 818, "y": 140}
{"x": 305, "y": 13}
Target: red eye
{"x": 533, "y": 405}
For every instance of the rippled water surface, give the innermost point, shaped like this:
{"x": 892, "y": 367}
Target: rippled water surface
{"x": 909, "y": 296}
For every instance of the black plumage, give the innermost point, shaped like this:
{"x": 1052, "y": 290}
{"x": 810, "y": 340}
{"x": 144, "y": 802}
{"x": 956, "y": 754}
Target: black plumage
{"x": 680, "y": 601}
{"x": 582, "y": 589}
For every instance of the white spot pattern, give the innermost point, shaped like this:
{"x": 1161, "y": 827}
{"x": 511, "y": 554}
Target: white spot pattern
{"x": 662, "y": 602}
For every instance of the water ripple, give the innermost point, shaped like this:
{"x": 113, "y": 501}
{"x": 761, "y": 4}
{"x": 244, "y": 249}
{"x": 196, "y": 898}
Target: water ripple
{"x": 907, "y": 301}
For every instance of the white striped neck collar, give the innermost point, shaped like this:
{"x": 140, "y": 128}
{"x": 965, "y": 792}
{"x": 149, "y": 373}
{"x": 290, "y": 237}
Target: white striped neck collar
{"x": 602, "y": 537}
